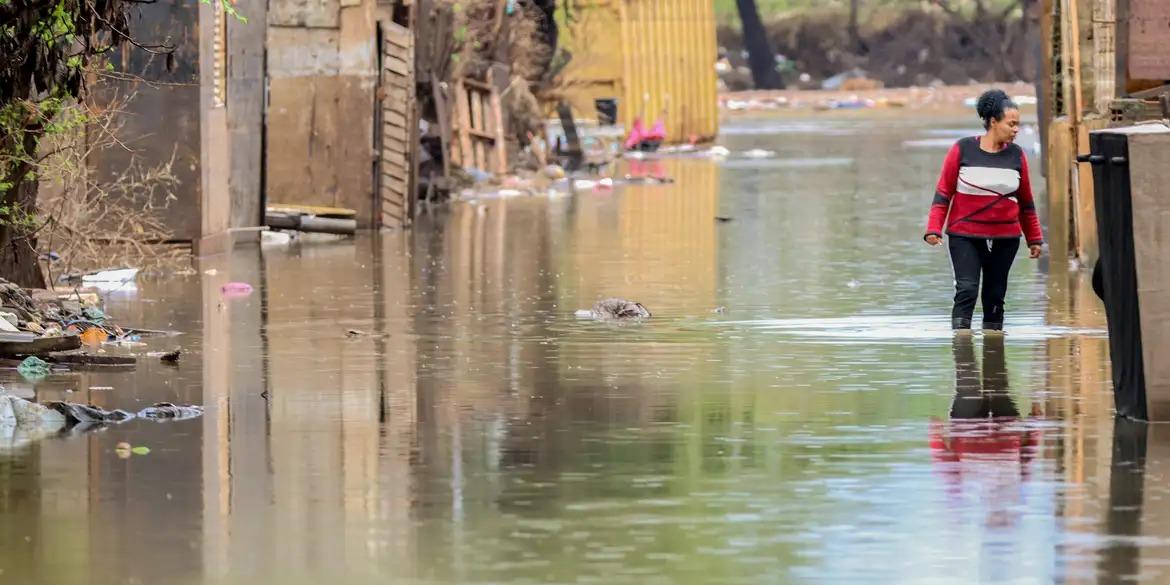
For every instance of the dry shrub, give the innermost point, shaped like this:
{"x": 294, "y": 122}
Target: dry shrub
{"x": 92, "y": 225}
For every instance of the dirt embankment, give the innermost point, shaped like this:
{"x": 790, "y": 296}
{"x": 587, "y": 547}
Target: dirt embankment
{"x": 946, "y": 100}
{"x": 899, "y": 47}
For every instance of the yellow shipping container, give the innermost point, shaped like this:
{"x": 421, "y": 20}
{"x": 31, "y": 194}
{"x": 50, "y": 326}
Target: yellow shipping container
{"x": 656, "y": 57}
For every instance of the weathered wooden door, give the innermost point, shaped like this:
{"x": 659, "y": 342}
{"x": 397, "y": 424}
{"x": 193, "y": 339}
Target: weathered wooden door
{"x": 398, "y": 127}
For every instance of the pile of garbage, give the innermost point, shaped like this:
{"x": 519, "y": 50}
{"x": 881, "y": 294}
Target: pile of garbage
{"x": 44, "y": 322}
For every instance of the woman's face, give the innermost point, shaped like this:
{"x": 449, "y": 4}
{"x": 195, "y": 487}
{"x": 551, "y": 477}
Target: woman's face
{"x": 1005, "y": 130}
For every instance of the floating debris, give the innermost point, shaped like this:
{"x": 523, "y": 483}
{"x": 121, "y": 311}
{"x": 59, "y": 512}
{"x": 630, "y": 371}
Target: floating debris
{"x": 170, "y": 411}
{"x": 355, "y": 333}
{"x": 22, "y": 412}
{"x": 615, "y": 309}
{"x": 83, "y": 413}
{"x": 111, "y": 276}
{"x": 723, "y": 218}
{"x": 236, "y": 289}
{"x": 171, "y": 357}
{"x": 758, "y": 153}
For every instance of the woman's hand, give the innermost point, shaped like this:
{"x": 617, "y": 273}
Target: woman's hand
{"x": 933, "y": 240}
{"x": 1035, "y": 250}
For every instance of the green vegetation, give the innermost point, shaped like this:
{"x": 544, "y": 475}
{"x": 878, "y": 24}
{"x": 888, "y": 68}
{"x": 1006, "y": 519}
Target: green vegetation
{"x": 49, "y": 51}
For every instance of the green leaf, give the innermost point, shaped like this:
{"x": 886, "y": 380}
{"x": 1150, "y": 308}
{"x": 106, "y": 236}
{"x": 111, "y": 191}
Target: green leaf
{"x": 140, "y": 450}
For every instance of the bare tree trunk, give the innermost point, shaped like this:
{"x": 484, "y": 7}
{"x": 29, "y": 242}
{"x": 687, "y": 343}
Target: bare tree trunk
{"x": 761, "y": 59}
{"x": 857, "y": 44}
{"x": 18, "y": 255}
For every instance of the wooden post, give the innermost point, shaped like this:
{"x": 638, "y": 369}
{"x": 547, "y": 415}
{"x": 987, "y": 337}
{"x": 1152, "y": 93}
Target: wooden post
{"x": 497, "y": 122}
{"x": 476, "y": 123}
{"x": 1046, "y": 94}
{"x": 466, "y": 156}
{"x": 1084, "y": 232}
{"x": 1073, "y": 32}
{"x": 443, "y": 110}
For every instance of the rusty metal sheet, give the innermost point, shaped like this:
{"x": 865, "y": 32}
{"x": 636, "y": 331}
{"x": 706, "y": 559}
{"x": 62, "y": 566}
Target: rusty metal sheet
{"x": 1149, "y": 39}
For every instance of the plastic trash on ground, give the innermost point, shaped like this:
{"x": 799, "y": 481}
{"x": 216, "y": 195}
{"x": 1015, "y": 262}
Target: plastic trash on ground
{"x": 111, "y": 276}
{"x": 34, "y": 367}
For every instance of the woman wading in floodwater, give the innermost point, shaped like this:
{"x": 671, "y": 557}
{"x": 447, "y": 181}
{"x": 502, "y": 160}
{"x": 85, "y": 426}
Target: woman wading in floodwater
{"x": 984, "y": 198}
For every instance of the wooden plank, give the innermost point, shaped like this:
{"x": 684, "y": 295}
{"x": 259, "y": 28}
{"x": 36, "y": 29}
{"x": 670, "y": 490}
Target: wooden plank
{"x": 397, "y": 35}
{"x": 317, "y": 210}
{"x": 31, "y": 344}
{"x": 395, "y": 119}
{"x": 396, "y": 146}
{"x": 440, "y": 98}
{"x": 394, "y": 200}
{"x": 394, "y": 97}
{"x": 394, "y": 140}
{"x": 1060, "y": 154}
{"x": 1086, "y": 210}
{"x": 1047, "y": 110}
{"x": 394, "y": 184}
{"x": 1074, "y": 34}
{"x": 397, "y": 67}
{"x": 463, "y": 117}
{"x": 475, "y": 84}
{"x": 496, "y": 116}
{"x": 397, "y": 159}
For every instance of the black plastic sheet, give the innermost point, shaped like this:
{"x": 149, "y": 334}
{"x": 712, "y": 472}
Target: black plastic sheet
{"x": 1118, "y": 272}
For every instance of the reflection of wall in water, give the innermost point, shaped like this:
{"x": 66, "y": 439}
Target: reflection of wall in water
{"x": 162, "y": 120}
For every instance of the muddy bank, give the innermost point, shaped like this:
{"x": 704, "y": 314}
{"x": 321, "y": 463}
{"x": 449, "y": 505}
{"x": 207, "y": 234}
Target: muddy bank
{"x": 899, "y": 47}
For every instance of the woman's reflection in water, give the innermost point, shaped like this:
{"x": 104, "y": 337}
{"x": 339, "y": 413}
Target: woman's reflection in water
{"x": 986, "y": 448}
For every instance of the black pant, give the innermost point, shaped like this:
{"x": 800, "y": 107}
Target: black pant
{"x": 972, "y": 257}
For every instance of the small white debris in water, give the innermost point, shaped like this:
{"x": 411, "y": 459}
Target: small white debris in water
{"x": 759, "y": 153}
{"x": 584, "y": 314}
{"x": 719, "y": 310}
{"x": 718, "y": 151}
{"x": 853, "y": 283}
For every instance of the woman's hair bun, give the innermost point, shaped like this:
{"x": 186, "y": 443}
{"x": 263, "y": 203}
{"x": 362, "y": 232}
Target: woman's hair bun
{"x": 992, "y": 104}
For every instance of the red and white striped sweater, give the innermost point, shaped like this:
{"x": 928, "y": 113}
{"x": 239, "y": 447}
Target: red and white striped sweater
{"x": 987, "y": 194}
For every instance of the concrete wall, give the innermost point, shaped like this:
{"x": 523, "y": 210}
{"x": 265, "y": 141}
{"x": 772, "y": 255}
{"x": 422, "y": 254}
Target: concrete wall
{"x": 322, "y": 75}
{"x": 1149, "y": 156}
{"x": 245, "y": 112}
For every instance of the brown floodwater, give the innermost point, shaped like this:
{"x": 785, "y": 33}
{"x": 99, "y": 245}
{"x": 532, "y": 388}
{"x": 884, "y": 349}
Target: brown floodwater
{"x": 796, "y": 411}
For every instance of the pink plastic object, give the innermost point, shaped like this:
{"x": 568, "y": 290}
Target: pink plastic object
{"x": 637, "y": 135}
{"x": 236, "y": 289}
{"x": 657, "y": 132}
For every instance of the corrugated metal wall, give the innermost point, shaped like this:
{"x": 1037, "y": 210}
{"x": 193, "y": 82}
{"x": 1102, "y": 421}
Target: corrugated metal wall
{"x": 669, "y": 51}
{"x": 655, "y": 56}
